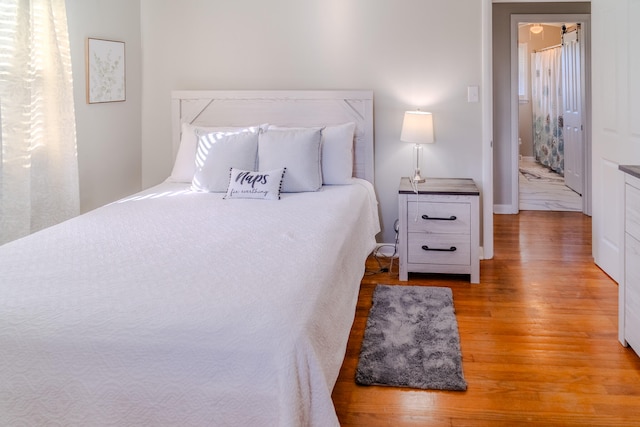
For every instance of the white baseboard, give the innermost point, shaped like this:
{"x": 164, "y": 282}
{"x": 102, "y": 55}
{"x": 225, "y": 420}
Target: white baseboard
{"x": 504, "y": 210}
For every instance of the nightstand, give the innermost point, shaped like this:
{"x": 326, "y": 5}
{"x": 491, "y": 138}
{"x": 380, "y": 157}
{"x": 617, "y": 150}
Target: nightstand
{"x": 439, "y": 227}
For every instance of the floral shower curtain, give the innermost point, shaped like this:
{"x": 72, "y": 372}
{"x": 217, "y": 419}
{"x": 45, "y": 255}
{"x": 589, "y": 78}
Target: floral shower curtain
{"x": 546, "y": 98}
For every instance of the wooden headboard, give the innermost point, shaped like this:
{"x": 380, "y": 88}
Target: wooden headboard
{"x": 284, "y": 108}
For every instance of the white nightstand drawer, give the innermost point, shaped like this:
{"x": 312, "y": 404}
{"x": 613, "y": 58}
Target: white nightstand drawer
{"x": 449, "y": 249}
{"x": 436, "y": 217}
{"x": 439, "y": 227}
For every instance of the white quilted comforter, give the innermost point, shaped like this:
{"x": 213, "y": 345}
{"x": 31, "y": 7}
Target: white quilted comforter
{"x": 181, "y": 308}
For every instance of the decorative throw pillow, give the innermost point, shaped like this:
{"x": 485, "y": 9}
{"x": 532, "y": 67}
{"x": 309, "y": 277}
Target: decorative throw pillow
{"x": 296, "y": 149}
{"x": 244, "y": 184}
{"x": 184, "y": 165}
{"x": 337, "y": 152}
{"x": 218, "y": 152}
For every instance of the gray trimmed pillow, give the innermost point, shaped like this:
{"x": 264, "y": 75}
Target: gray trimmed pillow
{"x": 245, "y": 184}
{"x": 218, "y": 152}
{"x": 337, "y": 152}
{"x": 298, "y": 150}
{"x": 184, "y": 164}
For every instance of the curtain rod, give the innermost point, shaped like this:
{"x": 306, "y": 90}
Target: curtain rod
{"x": 548, "y": 48}
{"x": 565, "y": 30}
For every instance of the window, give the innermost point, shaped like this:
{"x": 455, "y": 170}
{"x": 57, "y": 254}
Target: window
{"x": 523, "y": 72}
{"x": 38, "y": 162}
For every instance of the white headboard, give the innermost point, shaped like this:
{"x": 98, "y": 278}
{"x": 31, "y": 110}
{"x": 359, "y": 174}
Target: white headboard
{"x": 285, "y": 108}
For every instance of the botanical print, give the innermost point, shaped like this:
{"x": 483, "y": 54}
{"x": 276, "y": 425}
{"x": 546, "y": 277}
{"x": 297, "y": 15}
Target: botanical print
{"x": 106, "y": 71}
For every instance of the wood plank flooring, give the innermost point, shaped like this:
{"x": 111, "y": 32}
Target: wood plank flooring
{"x": 538, "y": 337}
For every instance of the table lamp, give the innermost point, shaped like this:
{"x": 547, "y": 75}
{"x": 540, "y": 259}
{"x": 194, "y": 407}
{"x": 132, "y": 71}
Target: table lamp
{"x": 417, "y": 128}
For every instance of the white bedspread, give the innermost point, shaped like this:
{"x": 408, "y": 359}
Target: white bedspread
{"x": 180, "y": 308}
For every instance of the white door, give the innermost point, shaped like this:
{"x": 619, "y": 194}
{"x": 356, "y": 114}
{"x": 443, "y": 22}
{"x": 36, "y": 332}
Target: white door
{"x": 572, "y": 112}
{"x": 616, "y": 107}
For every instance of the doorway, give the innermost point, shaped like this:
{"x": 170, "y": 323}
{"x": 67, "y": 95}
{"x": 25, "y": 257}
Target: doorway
{"x": 550, "y": 165}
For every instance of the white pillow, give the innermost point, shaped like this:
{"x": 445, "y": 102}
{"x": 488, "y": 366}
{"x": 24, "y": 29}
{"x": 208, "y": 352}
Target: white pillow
{"x": 246, "y": 184}
{"x": 337, "y": 153}
{"x": 217, "y": 153}
{"x": 184, "y": 166}
{"x": 298, "y": 150}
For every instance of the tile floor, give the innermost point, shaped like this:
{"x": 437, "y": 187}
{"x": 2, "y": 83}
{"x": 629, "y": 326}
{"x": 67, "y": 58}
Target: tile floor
{"x": 544, "y": 190}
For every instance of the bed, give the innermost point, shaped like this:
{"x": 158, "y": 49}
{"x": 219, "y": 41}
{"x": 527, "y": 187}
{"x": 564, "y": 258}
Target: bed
{"x": 184, "y": 306}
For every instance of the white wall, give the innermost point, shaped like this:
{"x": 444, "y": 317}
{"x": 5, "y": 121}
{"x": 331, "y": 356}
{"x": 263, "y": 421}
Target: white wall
{"x": 411, "y": 53}
{"x": 108, "y": 135}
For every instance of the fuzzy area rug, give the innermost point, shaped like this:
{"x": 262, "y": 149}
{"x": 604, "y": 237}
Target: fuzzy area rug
{"x": 411, "y": 340}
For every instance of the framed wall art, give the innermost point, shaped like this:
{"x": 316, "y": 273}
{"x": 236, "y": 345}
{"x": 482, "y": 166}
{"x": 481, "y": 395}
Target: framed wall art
{"x": 105, "y": 71}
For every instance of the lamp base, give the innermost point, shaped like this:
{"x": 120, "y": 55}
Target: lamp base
{"x": 417, "y": 154}
{"x": 417, "y": 177}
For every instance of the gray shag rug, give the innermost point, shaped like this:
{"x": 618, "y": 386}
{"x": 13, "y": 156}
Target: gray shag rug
{"x": 411, "y": 340}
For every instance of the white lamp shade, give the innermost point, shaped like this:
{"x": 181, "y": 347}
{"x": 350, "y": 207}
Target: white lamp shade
{"x": 417, "y": 127}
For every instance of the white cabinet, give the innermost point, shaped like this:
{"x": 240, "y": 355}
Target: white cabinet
{"x": 439, "y": 227}
{"x": 629, "y": 287}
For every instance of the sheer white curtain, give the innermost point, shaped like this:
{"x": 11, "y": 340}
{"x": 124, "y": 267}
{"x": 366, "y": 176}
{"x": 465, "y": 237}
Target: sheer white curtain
{"x": 39, "y": 167}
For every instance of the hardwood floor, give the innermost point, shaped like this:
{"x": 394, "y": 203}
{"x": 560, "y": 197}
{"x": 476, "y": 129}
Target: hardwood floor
{"x": 538, "y": 337}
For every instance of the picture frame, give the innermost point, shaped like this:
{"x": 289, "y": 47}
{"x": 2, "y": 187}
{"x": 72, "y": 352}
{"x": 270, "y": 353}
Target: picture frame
{"x": 105, "y": 69}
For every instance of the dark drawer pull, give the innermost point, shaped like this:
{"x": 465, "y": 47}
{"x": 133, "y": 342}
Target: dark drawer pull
{"x": 435, "y": 218}
{"x": 427, "y": 248}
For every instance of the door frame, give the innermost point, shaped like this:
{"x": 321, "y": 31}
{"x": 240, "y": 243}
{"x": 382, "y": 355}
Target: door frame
{"x": 585, "y": 21}
{"x": 487, "y": 128}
